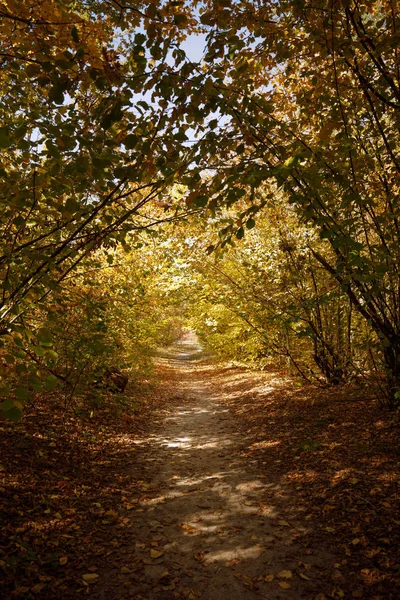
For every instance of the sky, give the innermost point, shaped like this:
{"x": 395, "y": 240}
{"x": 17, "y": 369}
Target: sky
{"x": 194, "y": 46}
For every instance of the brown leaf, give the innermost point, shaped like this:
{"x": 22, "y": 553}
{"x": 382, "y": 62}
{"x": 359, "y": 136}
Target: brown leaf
{"x": 285, "y": 574}
{"x": 285, "y": 585}
{"x": 90, "y": 577}
{"x": 125, "y": 570}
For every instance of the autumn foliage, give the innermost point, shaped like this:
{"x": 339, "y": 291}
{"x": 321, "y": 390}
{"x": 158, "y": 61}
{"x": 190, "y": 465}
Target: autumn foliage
{"x": 248, "y": 190}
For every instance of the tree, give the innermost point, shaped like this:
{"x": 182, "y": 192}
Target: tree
{"x": 309, "y": 96}
{"x": 303, "y": 95}
{"x": 84, "y": 163}
{"x": 79, "y": 153}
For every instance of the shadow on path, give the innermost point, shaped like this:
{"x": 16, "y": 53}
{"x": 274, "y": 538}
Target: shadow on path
{"x": 204, "y": 527}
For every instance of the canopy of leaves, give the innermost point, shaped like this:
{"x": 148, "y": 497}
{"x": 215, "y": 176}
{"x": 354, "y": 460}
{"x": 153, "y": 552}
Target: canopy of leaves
{"x": 108, "y": 129}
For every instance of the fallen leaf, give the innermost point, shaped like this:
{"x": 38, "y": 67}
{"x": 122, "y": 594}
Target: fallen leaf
{"x": 111, "y": 513}
{"x": 155, "y": 553}
{"x": 200, "y": 556}
{"x": 63, "y": 560}
{"x": 269, "y": 578}
{"x": 90, "y": 577}
{"x": 285, "y": 585}
{"x": 164, "y": 575}
{"x": 285, "y": 574}
{"x": 125, "y": 570}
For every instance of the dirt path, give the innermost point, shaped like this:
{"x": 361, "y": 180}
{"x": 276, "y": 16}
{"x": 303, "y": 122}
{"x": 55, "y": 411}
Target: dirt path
{"x": 213, "y": 482}
{"x": 206, "y": 526}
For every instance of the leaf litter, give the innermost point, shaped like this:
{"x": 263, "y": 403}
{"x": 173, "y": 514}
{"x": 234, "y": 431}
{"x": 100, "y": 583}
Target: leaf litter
{"x": 247, "y": 506}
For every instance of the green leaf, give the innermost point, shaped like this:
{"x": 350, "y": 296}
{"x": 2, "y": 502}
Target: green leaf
{"x": 292, "y": 161}
{"x": 32, "y": 70}
{"x": 200, "y": 201}
{"x": 50, "y": 383}
{"x": 56, "y": 94}
{"x": 36, "y": 384}
{"x": 7, "y": 404}
{"x": 22, "y": 393}
{"x": 14, "y": 414}
{"x": 5, "y": 140}
{"x": 39, "y": 351}
{"x": 75, "y": 35}
{"x": 130, "y": 141}
{"x": 52, "y": 356}
{"x": 240, "y": 233}
{"x": 250, "y": 223}
{"x": 45, "y": 337}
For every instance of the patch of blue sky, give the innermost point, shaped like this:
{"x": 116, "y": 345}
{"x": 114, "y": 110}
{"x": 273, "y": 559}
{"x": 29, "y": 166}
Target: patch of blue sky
{"x": 194, "y": 46}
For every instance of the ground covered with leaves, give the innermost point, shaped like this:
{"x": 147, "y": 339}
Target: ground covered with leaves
{"x": 336, "y": 455}
{"x": 86, "y": 494}
{"x": 66, "y": 484}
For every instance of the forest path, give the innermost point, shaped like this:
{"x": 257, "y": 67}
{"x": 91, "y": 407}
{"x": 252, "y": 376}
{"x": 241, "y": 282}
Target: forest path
{"x": 204, "y": 527}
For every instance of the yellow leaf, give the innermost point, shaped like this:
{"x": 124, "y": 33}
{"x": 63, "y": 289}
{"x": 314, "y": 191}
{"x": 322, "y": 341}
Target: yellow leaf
{"x": 90, "y": 577}
{"x": 155, "y": 553}
{"x": 269, "y": 578}
{"x": 283, "y": 523}
{"x": 125, "y": 570}
{"x": 285, "y": 585}
{"x": 63, "y": 560}
{"x": 285, "y": 575}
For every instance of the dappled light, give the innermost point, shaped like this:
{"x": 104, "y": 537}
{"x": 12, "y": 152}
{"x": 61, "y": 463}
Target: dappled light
{"x": 242, "y": 482}
{"x": 199, "y": 299}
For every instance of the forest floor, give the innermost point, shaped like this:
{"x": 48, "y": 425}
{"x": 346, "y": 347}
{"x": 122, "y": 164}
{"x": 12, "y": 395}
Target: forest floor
{"x": 216, "y": 482}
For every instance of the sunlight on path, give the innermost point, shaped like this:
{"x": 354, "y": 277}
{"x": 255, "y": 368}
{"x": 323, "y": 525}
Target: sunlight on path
{"x": 204, "y": 528}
